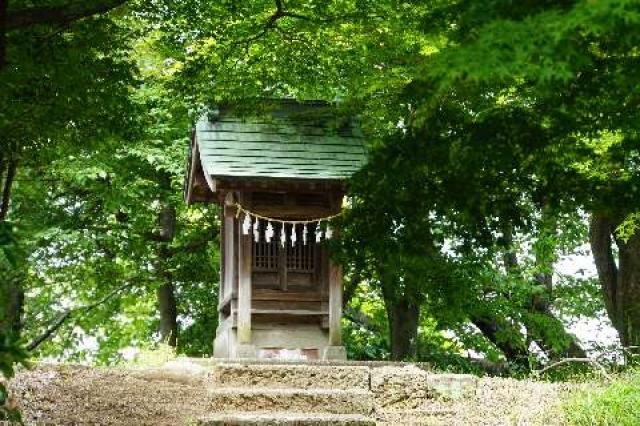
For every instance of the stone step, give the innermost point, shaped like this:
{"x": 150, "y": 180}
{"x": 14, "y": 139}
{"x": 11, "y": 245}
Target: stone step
{"x": 284, "y": 419}
{"x": 438, "y": 416}
{"x": 332, "y": 401}
{"x": 291, "y": 376}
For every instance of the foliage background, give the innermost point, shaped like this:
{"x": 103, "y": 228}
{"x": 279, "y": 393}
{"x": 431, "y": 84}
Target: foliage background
{"x": 500, "y": 135}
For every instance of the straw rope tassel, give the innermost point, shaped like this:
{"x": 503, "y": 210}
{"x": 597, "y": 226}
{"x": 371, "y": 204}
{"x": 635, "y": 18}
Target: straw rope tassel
{"x": 251, "y": 223}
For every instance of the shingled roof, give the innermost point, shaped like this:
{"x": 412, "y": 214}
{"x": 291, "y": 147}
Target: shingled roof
{"x": 293, "y": 141}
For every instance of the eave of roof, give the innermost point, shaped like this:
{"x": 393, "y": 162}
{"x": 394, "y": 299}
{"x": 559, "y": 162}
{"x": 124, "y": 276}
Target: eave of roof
{"x": 296, "y": 141}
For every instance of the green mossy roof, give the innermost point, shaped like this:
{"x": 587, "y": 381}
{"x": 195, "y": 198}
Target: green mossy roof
{"x": 298, "y": 141}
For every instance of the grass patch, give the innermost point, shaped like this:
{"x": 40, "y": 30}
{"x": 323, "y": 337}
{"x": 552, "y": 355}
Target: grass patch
{"x": 153, "y": 357}
{"x": 615, "y": 403}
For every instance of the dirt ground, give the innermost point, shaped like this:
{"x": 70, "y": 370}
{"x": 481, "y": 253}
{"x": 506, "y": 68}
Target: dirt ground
{"x": 78, "y": 395}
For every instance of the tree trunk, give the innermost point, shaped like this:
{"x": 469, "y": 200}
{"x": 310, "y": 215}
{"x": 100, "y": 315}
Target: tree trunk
{"x": 166, "y": 292}
{"x": 629, "y": 288}
{"x": 168, "y": 314}
{"x": 2, "y": 167}
{"x": 506, "y": 337}
{"x": 5, "y": 197}
{"x": 350, "y": 288}
{"x": 12, "y": 297}
{"x": 542, "y": 325}
{"x": 404, "y": 320}
{"x": 11, "y": 280}
{"x": 546, "y": 329}
{"x": 620, "y": 283}
{"x": 403, "y": 315}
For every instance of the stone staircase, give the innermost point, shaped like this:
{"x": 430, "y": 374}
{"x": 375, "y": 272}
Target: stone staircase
{"x": 322, "y": 394}
{"x": 292, "y": 394}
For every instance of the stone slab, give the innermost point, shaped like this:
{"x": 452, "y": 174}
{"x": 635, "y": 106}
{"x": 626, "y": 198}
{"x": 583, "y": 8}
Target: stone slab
{"x": 211, "y": 362}
{"x": 453, "y": 386}
{"x": 286, "y": 419}
{"x": 331, "y": 401}
{"x": 290, "y": 376}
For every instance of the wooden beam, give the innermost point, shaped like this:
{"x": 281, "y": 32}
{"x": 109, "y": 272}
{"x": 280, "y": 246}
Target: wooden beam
{"x": 211, "y": 183}
{"x": 199, "y": 187}
{"x": 291, "y": 312}
{"x": 270, "y": 295}
{"x": 196, "y": 164}
{"x": 244, "y": 286}
{"x": 280, "y": 184}
{"x": 335, "y": 304}
{"x": 293, "y": 212}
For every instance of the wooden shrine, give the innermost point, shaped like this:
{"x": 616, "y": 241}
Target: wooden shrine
{"x": 278, "y": 177}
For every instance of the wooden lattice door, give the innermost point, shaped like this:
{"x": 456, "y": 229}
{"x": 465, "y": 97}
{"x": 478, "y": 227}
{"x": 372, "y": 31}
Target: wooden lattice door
{"x": 288, "y": 268}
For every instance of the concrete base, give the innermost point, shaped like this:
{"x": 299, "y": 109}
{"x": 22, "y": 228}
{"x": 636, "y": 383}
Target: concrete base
{"x": 245, "y": 351}
{"x": 308, "y": 341}
{"x": 224, "y": 341}
{"x": 288, "y": 336}
{"x": 334, "y": 352}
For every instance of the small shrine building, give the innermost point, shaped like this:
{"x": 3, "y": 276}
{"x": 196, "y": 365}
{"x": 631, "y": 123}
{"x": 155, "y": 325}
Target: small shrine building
{"x": 279, "y": 177}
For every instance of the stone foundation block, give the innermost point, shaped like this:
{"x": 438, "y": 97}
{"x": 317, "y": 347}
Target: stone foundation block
{"x": 453, "y": 386}
{"x": 285, "y": 419}
{"x": 303, "y": 376}
{"x": 329, "y": 401}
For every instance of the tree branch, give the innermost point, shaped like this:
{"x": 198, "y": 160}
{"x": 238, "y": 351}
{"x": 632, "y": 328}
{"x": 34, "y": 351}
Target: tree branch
{"x": 280, "y": 12}
{"x": 298, "y": 16}
{"x": 494, "y": 329}
{"x": 191, "y": 246}
{"x": 579, "y": 360}
{"x": 272, "y": 23}
{"x": 359, "y": 318}
{"x": 6, "y": 191}
{"x": 72, "y": 11}
{"x": 510, "y": 258}
{"x": 60, "y": 319}
{"x": 350, "y": 288}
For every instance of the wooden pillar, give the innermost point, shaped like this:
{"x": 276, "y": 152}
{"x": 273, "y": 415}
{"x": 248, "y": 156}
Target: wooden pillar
{"x": 228, "y": 264}
{"x": 223, "y": 267}
{"x": 244, "y": 286}
{"x": 335, "y": 304}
